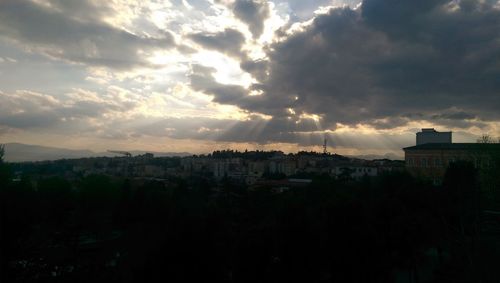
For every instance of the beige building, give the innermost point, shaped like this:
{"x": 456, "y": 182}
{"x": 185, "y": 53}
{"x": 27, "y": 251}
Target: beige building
{"x": 430, "y": 160}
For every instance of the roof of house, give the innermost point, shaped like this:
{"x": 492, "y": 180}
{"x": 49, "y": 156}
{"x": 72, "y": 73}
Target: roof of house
{"x": 455, "y": 146}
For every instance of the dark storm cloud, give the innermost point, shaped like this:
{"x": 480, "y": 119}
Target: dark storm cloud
{"x": 251, "y": 12}
{"x": 389, "y": 123}
{"x": 258, "y": 69}
{"x": 461, "y": 115}
{"x": 72, "y": 31}
{"x": 229, "y": 41}
{"x": 383, "y": 62}
{"x": 202, "y": 80}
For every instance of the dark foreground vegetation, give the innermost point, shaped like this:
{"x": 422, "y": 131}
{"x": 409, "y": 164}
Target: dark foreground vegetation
{"x": 390, "y": 229}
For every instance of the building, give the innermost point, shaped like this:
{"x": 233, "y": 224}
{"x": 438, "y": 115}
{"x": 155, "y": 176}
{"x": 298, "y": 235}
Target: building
{"x": 285, "y": 166}
{"x": 227, "y": 167}
{"x": 433, "y": 136}
{"x": 354, "y": 171}
{"x": 430, "y": 160}
{"x": 257, "y": 168}
{"x": 196, "y": 165}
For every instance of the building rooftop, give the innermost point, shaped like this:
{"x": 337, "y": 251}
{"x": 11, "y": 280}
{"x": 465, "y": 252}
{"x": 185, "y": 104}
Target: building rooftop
{"x": 432, "y": 130}
{"x": 455, "y": 146}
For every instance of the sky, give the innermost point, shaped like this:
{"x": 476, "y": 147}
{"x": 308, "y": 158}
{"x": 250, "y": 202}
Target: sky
{"x": 200, "y": 75}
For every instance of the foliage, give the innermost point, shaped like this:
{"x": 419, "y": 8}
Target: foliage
{"x": 2, "y": 152}
{"x": 485, "y": 138}
{"x": 192, "y": 230}
{"x": 249, "y": 155}
{"x": 5, "y": 170}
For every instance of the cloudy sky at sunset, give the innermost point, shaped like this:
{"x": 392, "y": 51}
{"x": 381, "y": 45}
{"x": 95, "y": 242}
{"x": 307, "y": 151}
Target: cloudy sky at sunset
{"x": 199, "y": 75}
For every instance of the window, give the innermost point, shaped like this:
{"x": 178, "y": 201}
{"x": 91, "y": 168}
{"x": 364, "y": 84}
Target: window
{"x": 437, "y": 162}
{"x": 410, "y": 162}
{"x": 424, "y": 162}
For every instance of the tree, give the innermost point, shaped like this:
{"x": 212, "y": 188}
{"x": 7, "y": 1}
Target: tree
{"x": 488, "y": 169}
{"x": 55, "y": 197}
{"x": 2, "y": 152}
{"x": 5, "y": 173}
{"x": 98, "y": 198}
{"x": 462, "y": 211}
{"x": 485, "y": 138}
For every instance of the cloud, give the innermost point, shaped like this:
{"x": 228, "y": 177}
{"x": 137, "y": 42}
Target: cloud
{"x": 74, "y": 112}
{"x": 261, "y": 132}
{"x": 384, "y": 61}
{"x": 72, "y": 31}
{"x": 301, "y": 10}
{"x": 253, "y": 13}
{"x": 202, "y": 80}
{"x": 258, "y": 69}
{"x": 459, "y": 115}
{"x": 5, "y": 130}
{"x": 229, "y": 41}
{"x": 380, "y": 69}
{"x": 83, "y": 10}
{"x": 254, "y": 130}
{"x": 26, "y": 109}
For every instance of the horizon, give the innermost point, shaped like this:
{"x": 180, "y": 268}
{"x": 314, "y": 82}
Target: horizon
{"x": 21, "y": 155}
{"x": 200, "y": 75}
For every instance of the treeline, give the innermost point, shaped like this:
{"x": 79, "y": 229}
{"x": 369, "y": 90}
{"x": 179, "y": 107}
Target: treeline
{"x": 393, "y": 228}
{"x": 250, "y": 155}
{"x": 265, "y": 155}
{"x": 57, "y": 167}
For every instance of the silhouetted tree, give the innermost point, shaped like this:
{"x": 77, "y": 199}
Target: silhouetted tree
{"x": 2, "y": 152}
{"x": 5, "y": 170}
{"x": 98, "y": 200}
{"x": 462, "y": 213}
{"x": 485, "y": 138}
{"x": 462, "y": 184}
{"x": 55, "y": 197}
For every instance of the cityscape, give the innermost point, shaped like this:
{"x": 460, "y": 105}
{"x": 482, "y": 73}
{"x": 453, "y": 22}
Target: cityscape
{"x": 88, "y": 211}
{"x": 428, "y": 159}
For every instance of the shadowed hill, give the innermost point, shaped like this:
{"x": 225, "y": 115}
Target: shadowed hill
{"x": 17, "y": 152}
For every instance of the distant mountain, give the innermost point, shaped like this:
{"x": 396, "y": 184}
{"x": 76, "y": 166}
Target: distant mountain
{"x": 390, "y": 156}
{"x": 17, "y": 152}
